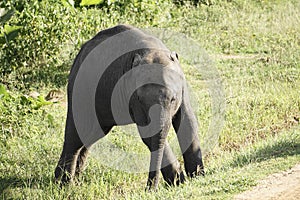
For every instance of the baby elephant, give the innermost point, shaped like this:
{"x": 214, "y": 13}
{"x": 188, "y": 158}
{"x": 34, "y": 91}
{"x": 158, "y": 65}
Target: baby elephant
{"x": 124, "y": 76}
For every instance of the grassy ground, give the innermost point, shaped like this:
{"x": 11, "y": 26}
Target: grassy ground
{"x": 255, "y": 46}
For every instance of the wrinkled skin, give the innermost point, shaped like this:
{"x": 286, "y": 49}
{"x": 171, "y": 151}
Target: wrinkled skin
{"x": 151, "y": 106}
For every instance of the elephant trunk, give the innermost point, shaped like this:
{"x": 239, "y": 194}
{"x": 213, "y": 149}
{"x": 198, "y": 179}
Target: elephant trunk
{"x": 154, "y": 136}
{"x": 157, "y": 149}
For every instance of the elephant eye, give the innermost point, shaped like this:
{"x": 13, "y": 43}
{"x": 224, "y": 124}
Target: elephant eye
{"x": 173, "y": 100}
{"x": 138, "y": 98}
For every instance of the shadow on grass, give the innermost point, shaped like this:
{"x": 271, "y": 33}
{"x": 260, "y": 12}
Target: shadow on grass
{"x": 270, "y": 151}
{"x": 17, "y": 182}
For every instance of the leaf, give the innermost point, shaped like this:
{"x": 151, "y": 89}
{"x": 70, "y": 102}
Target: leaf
{"x": 3, "y": 91}
{"x": 68, "y": 3}
{"x": 25, "y": 100}
{"x": 40, "y": 102}
{"x": 109, "y": 2}
{"x": 50, "y": 119}
{"x": 9, "y": 29}
{"x": 90, "y": 2}
{"x": 71, "y": 2}
{"x": 5, "y": 16}
{"x": 11, "y": 32}
{"x": 2, "y": 39}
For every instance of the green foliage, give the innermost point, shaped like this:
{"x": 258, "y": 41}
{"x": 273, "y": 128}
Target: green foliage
{"x": 34, "y": 103}
{"x": 22, "y": 116}
{"x": 90, "y": 2}
{"x": 6, "y": 15}
{"x": 3, "y": 92}
{"x": 8, "y": 32}
{"x": 53, "y": 31}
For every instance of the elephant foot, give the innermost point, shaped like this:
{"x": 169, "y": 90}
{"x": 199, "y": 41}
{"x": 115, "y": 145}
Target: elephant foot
{"x": 197, "y": 170}
{"x": 152, "y": 183}
{"x": 69, "y": 165}
{"x": 173, "y": 175}
{"x": 178, "y": 179}
{"x": 62, "y": 177}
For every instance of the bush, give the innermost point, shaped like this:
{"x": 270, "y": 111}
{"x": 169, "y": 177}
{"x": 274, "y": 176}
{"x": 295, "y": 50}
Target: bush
{"x": 53, "y": 31}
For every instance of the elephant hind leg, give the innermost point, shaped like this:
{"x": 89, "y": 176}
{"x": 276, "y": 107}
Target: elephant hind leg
{"x": 74, "y": 155}
{"x": 81, "y": 160}
{"x": 83, "y": 154}
{"x": 76, "y": 165}
{"x": 66, "y": 166}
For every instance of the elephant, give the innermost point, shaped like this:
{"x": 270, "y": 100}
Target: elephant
{"x": 137, "y": 80}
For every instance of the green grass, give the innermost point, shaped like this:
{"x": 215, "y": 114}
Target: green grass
{"x": 255, "y": 46}
{"x": 30, "y": 177}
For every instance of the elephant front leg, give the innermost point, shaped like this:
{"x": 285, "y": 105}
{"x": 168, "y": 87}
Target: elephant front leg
{"x": 186, "y": 127}
{"x": 170, "y": 168}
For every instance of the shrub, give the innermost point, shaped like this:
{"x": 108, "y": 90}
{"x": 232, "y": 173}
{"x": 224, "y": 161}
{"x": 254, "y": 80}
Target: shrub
{"x": 53, "y": 31}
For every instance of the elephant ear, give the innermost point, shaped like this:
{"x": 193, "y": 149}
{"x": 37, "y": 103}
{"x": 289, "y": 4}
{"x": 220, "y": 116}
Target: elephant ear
{"x": 136, "y": 60}
{"x": 174, "y": 56}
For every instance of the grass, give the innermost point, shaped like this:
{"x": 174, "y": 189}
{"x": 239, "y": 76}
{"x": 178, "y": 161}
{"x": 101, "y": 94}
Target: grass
{"x": 255, "y": 47}
{"x": 29, "y": 177}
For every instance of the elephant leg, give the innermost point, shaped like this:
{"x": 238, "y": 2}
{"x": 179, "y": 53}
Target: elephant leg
{"x": 171, "y": 170}
{"x": 66, "y": 166}
{"x": 186, "y": 127}
{"x": 74, "y": 153}
{"x": 82, "y": 156}
{"x": 81, "y": 160}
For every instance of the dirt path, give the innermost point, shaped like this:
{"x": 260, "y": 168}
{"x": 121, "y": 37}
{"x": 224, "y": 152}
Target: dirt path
{"x": 279, "y": 186}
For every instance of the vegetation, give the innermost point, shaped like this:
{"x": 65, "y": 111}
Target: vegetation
{"x": 254, "y": 44}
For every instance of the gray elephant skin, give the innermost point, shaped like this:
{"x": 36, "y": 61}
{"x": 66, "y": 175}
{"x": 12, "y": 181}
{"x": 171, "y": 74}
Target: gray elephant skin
{"x": 151, "y": 87}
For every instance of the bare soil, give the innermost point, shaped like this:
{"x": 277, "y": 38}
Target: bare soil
{"x": 279, "y": 186}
